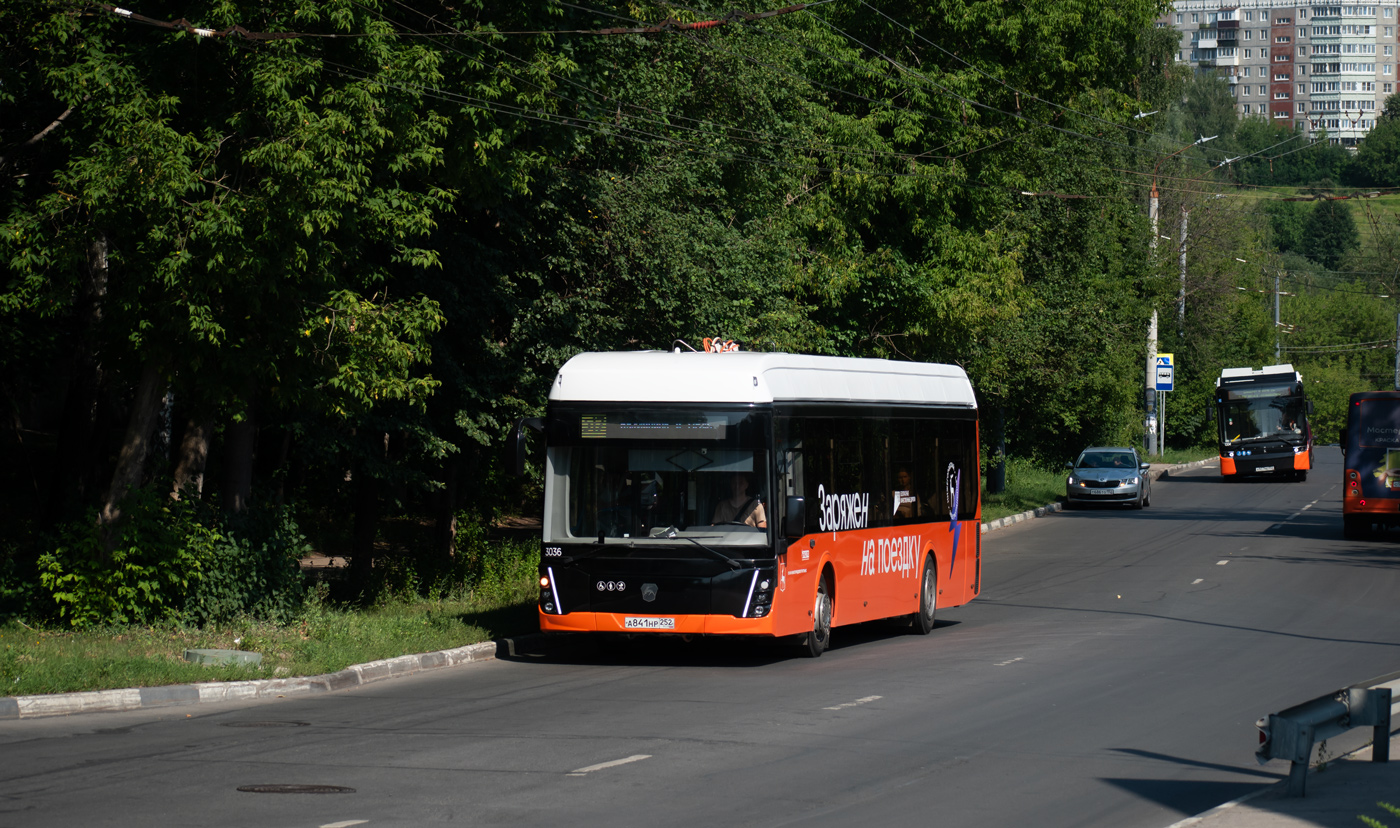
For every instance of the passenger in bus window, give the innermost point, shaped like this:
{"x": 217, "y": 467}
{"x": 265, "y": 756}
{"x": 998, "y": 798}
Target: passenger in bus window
{"x": 740, "y": 506}
{"x": 905, "y": 501}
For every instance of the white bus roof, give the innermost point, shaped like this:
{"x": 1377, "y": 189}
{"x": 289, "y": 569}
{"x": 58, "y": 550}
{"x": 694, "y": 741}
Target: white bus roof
{"x": 1240, "y": 373}
{"x": 754, "y": 377}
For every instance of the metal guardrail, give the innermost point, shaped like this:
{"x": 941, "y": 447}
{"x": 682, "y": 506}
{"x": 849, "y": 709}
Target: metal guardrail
{"x": 1290, "y": 734}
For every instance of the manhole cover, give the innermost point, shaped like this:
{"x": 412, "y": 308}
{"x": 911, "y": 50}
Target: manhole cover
{"x": 266, "y": 724}
{"x": 296, "y": 789}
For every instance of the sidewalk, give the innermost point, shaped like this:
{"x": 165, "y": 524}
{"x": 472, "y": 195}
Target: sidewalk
{"x": 1348, "y": 789}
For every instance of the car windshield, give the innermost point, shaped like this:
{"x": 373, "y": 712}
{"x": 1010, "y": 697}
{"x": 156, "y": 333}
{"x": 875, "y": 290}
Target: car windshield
{"x": 1106, "y": 460}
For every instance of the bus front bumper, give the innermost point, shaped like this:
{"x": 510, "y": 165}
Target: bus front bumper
{"x": 609, "y": 622}
{"x": 1265, "y": 465}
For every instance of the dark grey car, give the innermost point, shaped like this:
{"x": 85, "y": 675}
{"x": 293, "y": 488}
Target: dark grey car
{"x": 1107, "y": 474}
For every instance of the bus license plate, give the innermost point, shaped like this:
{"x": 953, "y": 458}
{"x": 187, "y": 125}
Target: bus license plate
{"x": 634, "y": 623}
{"x": 1264, "y": 468}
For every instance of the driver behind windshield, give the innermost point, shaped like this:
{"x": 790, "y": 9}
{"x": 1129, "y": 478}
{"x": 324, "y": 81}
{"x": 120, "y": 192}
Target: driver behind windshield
{"x": 740, "y": 506}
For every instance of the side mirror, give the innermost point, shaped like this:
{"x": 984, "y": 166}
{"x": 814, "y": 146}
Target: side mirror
{"x": 1310, "y": 406}
{"x": 536, "y": 423}
{"x": 1069, "y": 464}
{"x": 1145, "y": 467}
{"x": 795, "y": 517}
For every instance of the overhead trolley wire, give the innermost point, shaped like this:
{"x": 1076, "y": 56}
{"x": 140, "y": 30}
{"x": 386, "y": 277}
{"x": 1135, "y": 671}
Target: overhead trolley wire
{"x": 667, "y": 25}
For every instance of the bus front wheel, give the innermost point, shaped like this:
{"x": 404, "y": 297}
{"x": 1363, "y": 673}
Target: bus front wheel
{"x": 815, "y": 642}
{"x": 928, "y": 598}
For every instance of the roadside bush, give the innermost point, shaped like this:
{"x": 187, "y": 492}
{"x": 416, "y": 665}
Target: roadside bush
{"x": 250, "y": 570}
{"x": 493, "y": 570}
{"x": 175, "y": 561}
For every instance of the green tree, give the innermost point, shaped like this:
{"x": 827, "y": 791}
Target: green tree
{"x": 1377, "y": 161}
{"x": 1329, "y": 232}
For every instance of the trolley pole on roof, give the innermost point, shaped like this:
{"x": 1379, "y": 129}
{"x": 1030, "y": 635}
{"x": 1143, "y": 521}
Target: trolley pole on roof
{"x": 1397, "y": 352}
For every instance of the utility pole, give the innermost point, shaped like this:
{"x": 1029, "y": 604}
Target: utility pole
{"x": 1151, "y": 426}
{"x": 1278, "y": 342}
{"x": 1151, "y": 374}
{"x": 1397, "y": 352}
{"x": 1152, "y": 214}
{"x": 1181, "y": 292}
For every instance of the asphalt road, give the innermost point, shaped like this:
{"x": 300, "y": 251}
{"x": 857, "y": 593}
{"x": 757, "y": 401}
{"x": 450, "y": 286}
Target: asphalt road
{"x": 1109, "y": 675}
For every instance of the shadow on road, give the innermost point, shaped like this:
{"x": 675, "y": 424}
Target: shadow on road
{"x": 1184, "y": 796}
{"x": 692, "y": 651}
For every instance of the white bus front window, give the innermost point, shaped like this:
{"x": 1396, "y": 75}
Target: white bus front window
{"x": 655, "y": 493}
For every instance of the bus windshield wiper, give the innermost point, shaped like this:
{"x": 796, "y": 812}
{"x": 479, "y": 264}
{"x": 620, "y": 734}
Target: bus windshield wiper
{"x": 670, "y": 533}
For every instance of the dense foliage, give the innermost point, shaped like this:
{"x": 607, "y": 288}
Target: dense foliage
{"x": 271, "y": 268}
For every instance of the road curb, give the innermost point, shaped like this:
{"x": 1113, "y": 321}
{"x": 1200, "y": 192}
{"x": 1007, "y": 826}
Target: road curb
{"x": 145, "y": 698}
{"x": 1051, "y": 508}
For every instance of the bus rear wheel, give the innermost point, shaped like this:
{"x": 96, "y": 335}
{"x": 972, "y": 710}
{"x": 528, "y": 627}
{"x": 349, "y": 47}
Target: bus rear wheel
{"x": 928, "y": 598}
{"x": 815, "y": 642}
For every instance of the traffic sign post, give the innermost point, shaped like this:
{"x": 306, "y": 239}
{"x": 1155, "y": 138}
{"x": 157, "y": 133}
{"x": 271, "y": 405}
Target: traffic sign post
{"x": 1165, "y": 376}
{"x": 1166, "y": 372}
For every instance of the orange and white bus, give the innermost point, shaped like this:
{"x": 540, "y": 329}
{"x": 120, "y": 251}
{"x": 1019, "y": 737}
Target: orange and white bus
{"x": 762, "y": 494}
{"x": 1262, "y": 417}
{"x": 1371, "y": 450}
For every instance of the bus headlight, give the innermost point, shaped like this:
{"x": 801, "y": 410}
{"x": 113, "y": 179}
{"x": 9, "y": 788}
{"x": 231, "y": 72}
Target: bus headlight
{"x": 1299, "y": 449}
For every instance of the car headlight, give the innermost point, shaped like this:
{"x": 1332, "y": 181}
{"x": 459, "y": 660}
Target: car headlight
{"x": 1069, "y": 481}
{"x": 1132, "y": 481}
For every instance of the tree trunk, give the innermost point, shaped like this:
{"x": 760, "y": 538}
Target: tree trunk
{"x": 365, "y": 531}
{"x": 241, "y": 442}
{"x": 193, "y": 457}
{"x": 131, "y": 460}
{"x": 447, "y": 513}
{"x": 73, "y": 477}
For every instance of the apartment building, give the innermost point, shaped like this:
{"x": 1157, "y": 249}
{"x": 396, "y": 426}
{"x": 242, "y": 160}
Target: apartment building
{"x": 1309, "y": 67}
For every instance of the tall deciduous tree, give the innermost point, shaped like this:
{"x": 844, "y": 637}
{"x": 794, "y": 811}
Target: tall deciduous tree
{"x": 1329, "y": 232}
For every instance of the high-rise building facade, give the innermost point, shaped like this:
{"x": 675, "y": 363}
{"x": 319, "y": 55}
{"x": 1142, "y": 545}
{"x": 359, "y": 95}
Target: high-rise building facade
{"x": 1307, "y": 67}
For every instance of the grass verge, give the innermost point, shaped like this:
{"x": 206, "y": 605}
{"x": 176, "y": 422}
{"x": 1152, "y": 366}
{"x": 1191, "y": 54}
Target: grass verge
{"x": 324, "y": 639}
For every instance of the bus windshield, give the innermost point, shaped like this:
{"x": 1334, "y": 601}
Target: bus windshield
{"x": 660, "y": 478}
{"x": 1262, "y": 412}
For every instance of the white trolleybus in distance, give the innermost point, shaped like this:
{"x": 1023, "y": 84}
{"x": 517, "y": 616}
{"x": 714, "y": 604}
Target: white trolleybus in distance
{"x": 761, "y": 494}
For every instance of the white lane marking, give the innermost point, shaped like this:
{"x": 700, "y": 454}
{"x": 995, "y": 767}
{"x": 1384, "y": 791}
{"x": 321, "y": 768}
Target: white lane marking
{"x": 1276, "y": 526}
{"x": 1295, "y": 514}
{"x": 1305, "y": 508}
{"x": 1197, "y": 581}
{"x": 614, "y": 763}
{"x": 856, "y": 703}
{"x": 1012, "y": 661}
{"x": 1221, "y": 563}
{"x": 346, "y": 824}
